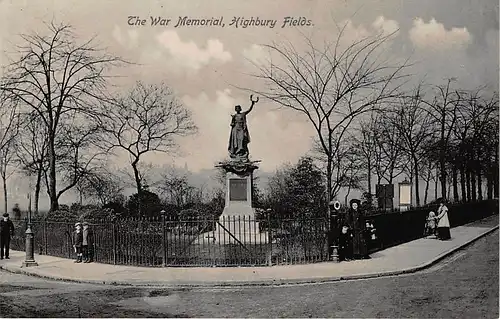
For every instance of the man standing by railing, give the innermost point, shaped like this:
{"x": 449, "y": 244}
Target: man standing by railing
{"x": 6, "y": 233}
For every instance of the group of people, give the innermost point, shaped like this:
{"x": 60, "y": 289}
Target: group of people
{"x": 438, "y": 225}
{"x": 356, "y": 233}
{"x": 83, "y": 243}
{"x": 6, "y": 233}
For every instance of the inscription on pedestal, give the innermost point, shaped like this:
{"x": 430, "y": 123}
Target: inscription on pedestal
{"x": 237, "y": 189}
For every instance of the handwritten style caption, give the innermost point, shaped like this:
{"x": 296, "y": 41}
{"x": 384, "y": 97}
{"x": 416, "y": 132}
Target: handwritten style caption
{"x": 235, "y": 22}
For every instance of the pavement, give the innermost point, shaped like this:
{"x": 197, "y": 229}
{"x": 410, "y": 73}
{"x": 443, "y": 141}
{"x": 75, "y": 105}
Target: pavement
{"x": 402, "y": 259}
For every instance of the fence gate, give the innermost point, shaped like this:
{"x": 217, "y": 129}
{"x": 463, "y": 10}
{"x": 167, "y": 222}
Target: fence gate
{"x": 226, "y": 242}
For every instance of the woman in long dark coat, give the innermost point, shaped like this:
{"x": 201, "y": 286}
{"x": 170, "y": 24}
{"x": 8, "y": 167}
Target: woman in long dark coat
{"x": 357, "y": 225}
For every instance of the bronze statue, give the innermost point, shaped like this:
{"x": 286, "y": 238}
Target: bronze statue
{"x": 239, "y": 138}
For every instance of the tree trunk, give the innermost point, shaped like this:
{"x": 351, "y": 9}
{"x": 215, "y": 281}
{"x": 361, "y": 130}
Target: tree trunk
{"x": 489, "y": 177}
{"x": 138, "y": 186}
{"x": 442, "y": 158}
{"x": 436, "y": 184}
{"x": 473, "y": 180}
{"x": 347, "y": 196}
{"x": 369, "y": 178}
{"x": 37, "y": 189}
{"x": 54, "y": 203}
{"x": 479, "y": 183}
{"x": 427, "y": 182}
{"x": 417, "y": 192}
{"x": 455, "y": 183}
{"x": 489, "y": 183}
{"x": 468, "y": 177}
{"x": 4, "y": 184}
{"x": 495, "y": 173}
{"x": 329, "y": 168}
{"x": 426, "y": 193}
{"x": 463, "y": 179}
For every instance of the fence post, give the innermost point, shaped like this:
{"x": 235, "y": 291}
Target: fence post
{"x": 163, "y": 239}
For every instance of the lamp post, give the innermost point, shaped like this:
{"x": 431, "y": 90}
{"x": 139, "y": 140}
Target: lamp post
{"x": 334, "y": 246}
{"x": 30, "y": 245}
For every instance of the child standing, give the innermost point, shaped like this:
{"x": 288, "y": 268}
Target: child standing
{"x": 87, "y": 243}
{"x": 77, "y": 242}
{"x": 430, "y": 225}
{"x": 345, "y": 244}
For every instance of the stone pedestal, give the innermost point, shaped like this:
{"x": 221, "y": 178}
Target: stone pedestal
{"x": 237, "y": 222}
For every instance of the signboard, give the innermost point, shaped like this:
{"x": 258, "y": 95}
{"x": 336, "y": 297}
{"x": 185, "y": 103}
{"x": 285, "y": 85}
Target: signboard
{"x": 237, "y": 189}
{"x": 404, "y": 194}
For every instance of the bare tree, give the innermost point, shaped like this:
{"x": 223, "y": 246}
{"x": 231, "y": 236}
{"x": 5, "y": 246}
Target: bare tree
{"x": 9, "y": 128}
{"x": 353, "y": 173}
{"x": 79, "y": 152}
{"x": 32, "y": 152}
{"x": 99, "y": 184}
{"x": 148, "y": 119}
{"x": 482, "y": 112}
{"x": 427, "y": 169}
{"x": 470, "y": 135}
{"x": 365, "y": 143}
{"x": 330, "y": 86}
{"x": 56, "y": 77}
{"x": 348, "y": 166}
{"x": 7, "y": 157}
{"x": 177, "y": 189}
{"x": 389, "y": 159}
{"x": 443, "y": 110}
{"x": 415, "y": 128}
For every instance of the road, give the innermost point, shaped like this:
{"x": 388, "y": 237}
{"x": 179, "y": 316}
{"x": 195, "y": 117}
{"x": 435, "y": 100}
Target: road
{"x": 465, "y": 285}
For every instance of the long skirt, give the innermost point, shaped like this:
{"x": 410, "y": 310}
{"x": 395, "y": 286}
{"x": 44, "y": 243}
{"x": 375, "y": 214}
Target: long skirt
{"x": 360, "y": 250}
{"x": 444, "y": 233}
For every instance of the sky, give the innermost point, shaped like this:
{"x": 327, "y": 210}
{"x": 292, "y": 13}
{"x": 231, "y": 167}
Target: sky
{"x": 206, "y": 65}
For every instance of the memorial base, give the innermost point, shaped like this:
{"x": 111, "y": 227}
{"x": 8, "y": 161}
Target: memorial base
{"x": 237, "y": 223}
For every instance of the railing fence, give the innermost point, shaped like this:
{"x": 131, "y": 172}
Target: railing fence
{"x": 229, "y": 241}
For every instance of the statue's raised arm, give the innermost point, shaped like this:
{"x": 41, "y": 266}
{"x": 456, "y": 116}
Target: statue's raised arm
{"x": 253, "y": 103}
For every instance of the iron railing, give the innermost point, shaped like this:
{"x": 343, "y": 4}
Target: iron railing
{"x": 154, "y": 242}
{"x": 229, "y": 241}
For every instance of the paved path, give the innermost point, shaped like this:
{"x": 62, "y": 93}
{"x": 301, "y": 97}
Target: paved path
{"x": 408, "y": 257}
{"x": 463, "y": 285}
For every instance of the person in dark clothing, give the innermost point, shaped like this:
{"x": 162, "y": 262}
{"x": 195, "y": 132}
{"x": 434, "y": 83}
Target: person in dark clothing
{"x": 6, "y": 233}
{"x": 77, "y": 242}
{"x": 87, "y": 243}
{"x": 345, "y": 244}
{"x": 357, "y": 225}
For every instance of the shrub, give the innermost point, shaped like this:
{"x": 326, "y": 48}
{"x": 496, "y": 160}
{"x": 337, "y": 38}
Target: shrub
{"x": 63, "y": 214}
{"x": 94, "y": 213}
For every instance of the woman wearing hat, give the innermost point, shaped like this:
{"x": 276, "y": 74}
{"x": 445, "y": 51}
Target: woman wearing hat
{"x": 443, "y": 226}
{"x": 6, "y": 232}
{"x": 357, "y": 223}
